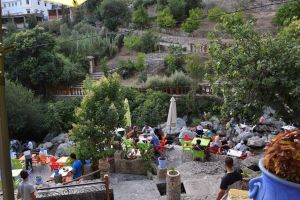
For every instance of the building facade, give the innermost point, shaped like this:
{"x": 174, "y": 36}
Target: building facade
{"x": 25, "y": 7}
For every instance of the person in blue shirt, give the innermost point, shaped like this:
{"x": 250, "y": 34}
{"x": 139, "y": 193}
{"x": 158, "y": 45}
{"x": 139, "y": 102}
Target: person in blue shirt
{"x": 77, "y": 166}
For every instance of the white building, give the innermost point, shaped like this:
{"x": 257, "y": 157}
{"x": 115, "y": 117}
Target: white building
{"x": 24, "y": 7}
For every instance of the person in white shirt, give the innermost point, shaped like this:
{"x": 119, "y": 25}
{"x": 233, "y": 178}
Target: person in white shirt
{"x": 25, "y": 189}
{"x": 147, "y": 129}
{"x": 30, "y": 145}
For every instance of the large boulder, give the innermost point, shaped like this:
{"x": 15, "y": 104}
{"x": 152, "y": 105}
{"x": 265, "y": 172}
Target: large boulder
{"x": 180, "y": 123}
{"x": 244, "y": 136}
{"x": 49, "y": 137}
{"x": 215, "y": 122}
{"x": 206, "y": 123}
{"x": 48, "y": 145}
{"x": 63, "y": 149}
{"x": 257, "y": 141}
{"x": 62, "y": 138}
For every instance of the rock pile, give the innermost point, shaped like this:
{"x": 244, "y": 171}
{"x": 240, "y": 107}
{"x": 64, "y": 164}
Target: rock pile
{"x": 60, "y": 142}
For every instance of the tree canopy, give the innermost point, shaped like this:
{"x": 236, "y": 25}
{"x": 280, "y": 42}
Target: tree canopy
{"x": 193, "y": 21}
{"x": 256, "y": 71}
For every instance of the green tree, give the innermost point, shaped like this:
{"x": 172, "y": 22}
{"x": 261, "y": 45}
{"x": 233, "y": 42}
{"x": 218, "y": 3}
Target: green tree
{"x": 33, "y": 66}
{"x": 291, "y": 32}
{"x": 140, "y": 17}
{"x": 113, "y": 13}
{"x": 165, "y": 19}
{"x": 215, "y": 14}
{"x": 24, "y": 111}
{"x": 31, "y": 21}
{"x": 231, "y": 22}
{"x": 177, "y": 8}
{"x": 149, "y": 42}
{"x": 287, "y": 12}
{"x": 174, "y": 61}
{"x": 257, "y": 71}
{"x": 132, "y": 42}
{"x": 60, "y": 115}
{"x": 101, "y": 111}
{"x": 193, "y": 21}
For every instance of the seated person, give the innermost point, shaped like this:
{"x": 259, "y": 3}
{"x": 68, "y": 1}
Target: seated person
{"x": 158, "y": 133}
{"x": 199, "y": 131}
{"x": 198, "y": 146}
{"x": 211, "y": 133}
{"x": 225, "y": 144}
{"x": 241, "y": 146}
{"x": 147, "y": 129}
{"x": 134, "y": 134}
{"x": 155, "y": 141}
{"x": 229, "y": 179}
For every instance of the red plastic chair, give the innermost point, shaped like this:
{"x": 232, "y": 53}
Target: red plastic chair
{"x": 187, "y": 138}
{"x": 53, "y": 164}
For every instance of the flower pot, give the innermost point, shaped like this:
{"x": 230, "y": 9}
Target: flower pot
{"x": 270, "y": 187}
{"x": 173, "y": 182}
{"x": 162, "y": 162}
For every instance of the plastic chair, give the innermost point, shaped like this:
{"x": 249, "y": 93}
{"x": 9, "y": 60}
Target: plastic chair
{"x": 53, "y": 164}
{"x": 42, "y": 158}
{"x": 198, "y": 154}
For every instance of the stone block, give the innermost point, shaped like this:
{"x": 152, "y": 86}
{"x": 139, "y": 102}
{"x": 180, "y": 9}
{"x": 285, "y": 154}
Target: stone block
{"x": 161, "y": 173}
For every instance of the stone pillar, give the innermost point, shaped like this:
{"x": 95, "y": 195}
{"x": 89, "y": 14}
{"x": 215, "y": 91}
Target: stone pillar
{"x": 91, "y": 60}
{"x": 104, "y": 168}
{"x": 173, "y": 182}
{"x": 161, "y": 173}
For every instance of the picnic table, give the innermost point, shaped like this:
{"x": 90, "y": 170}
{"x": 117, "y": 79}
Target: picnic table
{"x": 234, "y": 153}
{"x": 62, "y": 160}
{"x": 145, "y": 138}
{"x": 64, "y": 171}
{"x": 204, "y": 142}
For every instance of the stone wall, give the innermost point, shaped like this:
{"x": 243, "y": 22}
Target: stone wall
{"x": 135, "y": 166}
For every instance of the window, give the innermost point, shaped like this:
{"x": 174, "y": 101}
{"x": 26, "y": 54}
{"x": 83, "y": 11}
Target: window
{"x": 38, "y": 2}
{"x": 27, "y": 2}
{"x": 16, "y": 3}
{"x": 45, "y": 3}
{"x": 28, "y": 11}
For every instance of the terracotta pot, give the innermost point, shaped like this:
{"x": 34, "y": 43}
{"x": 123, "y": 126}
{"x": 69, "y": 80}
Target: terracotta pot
{"x": 173, "y": 182}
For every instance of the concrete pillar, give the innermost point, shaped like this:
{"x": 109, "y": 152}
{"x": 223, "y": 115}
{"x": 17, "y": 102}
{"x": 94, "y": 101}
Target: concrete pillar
{"x": 173, "y": 182}
{"x": 104, "y": 168}
{"x": 91, "y": 60}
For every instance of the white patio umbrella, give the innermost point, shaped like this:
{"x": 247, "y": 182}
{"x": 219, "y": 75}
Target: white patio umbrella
{"x": 172, "y": 117}
{"x": 71, "y": 3}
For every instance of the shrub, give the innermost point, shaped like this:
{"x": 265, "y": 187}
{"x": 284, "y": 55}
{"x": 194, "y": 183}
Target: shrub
{"x": 165, "y": 19}
{"x": 176, "y": 79}
{"x": 140, "y": 17}
{"x": 214, "y": 14}
{"x": 149, "y": 42}
{"x": 132, "y": 42}
{"x": 180, "y": 79}
{"x": 193, "y": 21}
{"x": 286, "y": 12}
{"x": 177, "y": 8}
{"x": 174, "y": 61}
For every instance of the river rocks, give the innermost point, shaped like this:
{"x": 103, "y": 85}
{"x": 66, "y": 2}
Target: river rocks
{"x": 62, "y": 138}
{"x": 48, "y": 145}
{"x": 63, "y": 149}
{"x": 257, "y": 141}
{"x": 244, "y": 136}
{"x": 180, "y": 123}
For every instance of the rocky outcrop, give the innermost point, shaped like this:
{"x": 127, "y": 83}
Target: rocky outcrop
{"x": 257, "y": 141}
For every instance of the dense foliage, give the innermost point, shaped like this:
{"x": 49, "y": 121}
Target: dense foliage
{"x": 193, "y": 21}
{"x": 140, "y": 17}
{"x": 256, "y": 71}
{"x": 177, "y": 8}
{"x": 174, "y": 61}
{"x": 146, "y": 43}
{"x": 215, "y": 14}
{"x": 101, "y": 111}
{"x": 177, "y": 79}
{"x": 287, "y": 12}
{"x": 31, "y": 65}
{"x": 165, "y": 19}
{"x": 113, "y": 13}
{"x": 25, "y": 112}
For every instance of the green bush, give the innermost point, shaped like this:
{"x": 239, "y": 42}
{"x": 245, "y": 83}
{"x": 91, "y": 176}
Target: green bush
{"x": 174, "y": 61}
{"x": 132, "y": 42}
{"x": 165, "y": 19}
{"x": 180, "y": 79}
{"x": 146, "y": 43}
{"x": 215, "y": 13}
{"x": 193, "y": 21}
{"x": 140, "y": 17}
{"x": 177, "y": 8}
{"x": 286, "y": 12}
{"x": 51, "y": 26}
{"x": 176, "y": 79}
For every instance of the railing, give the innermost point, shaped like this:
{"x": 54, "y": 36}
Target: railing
{"x": 89, "y": 190}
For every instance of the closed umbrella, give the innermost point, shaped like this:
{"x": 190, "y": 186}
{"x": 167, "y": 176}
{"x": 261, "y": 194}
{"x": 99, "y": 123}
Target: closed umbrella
{"x": 172, "y": 117}
{"x": 127, "y": 114}
{"x": 71, "y": 3}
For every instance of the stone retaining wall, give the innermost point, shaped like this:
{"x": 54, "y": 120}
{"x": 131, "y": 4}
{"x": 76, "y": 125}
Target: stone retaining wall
{"x": 135, "y": 166}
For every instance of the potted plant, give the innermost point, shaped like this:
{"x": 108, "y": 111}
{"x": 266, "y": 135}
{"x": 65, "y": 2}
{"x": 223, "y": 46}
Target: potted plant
{"x": 162, "y": 160}
{"x": 173, "y": 182}
{"x": 280, "y": 167}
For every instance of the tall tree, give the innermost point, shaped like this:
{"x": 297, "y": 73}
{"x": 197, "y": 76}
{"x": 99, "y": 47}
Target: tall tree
{"x": 256, "y": 71}
{"x": 99, "y": 114}
{"x": 33, "y": 65}
{"x": 113, "y": 13}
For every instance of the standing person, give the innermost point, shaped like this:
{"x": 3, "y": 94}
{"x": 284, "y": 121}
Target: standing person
{"x": 147, "y": 129}
{"x": 25, "y": 189}
{"x": 77, "y": 166}
{"x": 199, "y": 131}
{"x": 229, "y": 179}
{"x": 30, "y": 145}
{"x": 28, "y": 159}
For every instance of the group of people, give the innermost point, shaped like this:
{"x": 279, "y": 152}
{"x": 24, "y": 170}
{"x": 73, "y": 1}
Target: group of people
{"x": 26, "y": 190}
